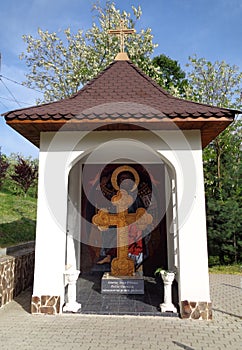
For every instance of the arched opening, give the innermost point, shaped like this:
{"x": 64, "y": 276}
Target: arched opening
{"x": 96, "y": 244}
{"x": 90, "y": 189}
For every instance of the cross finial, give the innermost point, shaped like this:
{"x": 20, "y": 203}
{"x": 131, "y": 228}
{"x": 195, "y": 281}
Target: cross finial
{"x": 121, "y": 32}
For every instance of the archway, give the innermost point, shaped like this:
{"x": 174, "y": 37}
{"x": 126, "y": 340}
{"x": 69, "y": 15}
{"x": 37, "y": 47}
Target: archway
{"x": 159, "y": 248}
{"x": 95, "y": 244}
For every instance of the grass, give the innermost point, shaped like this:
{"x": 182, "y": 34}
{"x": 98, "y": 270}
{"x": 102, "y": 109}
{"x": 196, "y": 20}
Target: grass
{"x": 17, "y": 218}
{"x": 235, "y": 269}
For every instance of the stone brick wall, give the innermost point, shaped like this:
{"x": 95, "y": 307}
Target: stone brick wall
{"x": 16, "y": 271}
{"x": 23, "y": 272}
{"x": 45, "y": 304}
{"x": 196, "y": 310}
{"x": 7, "y": 265}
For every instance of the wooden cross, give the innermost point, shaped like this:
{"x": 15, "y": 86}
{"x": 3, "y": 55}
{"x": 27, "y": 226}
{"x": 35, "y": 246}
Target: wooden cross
{"x": 122, "y": 265}
{"x": 121, "y": 31}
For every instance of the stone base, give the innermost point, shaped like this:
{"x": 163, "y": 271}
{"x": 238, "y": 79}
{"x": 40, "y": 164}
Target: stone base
{"x": 196, "y": 310}
{"x": 45, "y": 304}
{"x": 122, "y": 284}
{"x": 168, "y": 308}
{"x": 72, "y": 307}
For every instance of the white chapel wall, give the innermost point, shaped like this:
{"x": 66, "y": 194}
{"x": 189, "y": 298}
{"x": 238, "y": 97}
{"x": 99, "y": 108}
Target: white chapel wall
{"x": 186, "y": 158}
{"x": 59, "y": 152}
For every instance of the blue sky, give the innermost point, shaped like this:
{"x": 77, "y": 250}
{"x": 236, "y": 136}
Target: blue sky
{"x": 181, "y": 28}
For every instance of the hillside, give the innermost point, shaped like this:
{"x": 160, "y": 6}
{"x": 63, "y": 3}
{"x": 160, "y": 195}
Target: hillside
{"x": 17, "y": 218}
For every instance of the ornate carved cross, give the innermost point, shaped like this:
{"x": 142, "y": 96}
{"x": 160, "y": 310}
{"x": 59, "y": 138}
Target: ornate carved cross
{"x": 122, "y": 265}
{"x": 121, "y": 31}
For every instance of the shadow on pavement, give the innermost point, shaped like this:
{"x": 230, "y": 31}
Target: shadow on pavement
{"x": 24, "y": 299}
{"x": 228, "y": 313}
{"x": 183, "y": 346}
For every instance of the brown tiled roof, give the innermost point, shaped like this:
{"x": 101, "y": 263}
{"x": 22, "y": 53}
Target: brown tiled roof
{"x": 121, "y": 94}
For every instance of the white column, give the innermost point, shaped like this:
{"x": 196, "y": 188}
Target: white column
{"x": 73, "y": 218}
{"x": 51, "y": 228}
{"x": 192, "y": 237}
{"x": 57, "y": 153}
{"x": 185, "y": 156}
{"x": 171, "y": 219}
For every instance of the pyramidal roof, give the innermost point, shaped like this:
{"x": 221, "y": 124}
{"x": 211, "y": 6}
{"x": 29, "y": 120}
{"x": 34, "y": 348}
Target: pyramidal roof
{"x": 122, "y": 97}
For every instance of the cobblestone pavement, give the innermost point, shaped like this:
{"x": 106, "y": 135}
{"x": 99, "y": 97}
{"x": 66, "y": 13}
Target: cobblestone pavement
{"x": 21, "y": 330}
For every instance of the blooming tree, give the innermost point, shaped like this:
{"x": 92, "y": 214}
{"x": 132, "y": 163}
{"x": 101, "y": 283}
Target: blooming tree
{"x": 59, "y": 66}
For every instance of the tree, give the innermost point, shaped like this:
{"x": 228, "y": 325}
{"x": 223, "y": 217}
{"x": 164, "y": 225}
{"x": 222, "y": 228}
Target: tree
{"x": 220, "y": 84}
{"x": 171, "y": 77}
{"x": 59, "y": 66}
{"x": 224, "y": 230}
{"x": 217, "y": 83}
{"x": 4, "y": 164}
{"x": 25, "y": 173}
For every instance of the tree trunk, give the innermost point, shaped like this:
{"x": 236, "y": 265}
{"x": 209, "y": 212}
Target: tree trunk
{"x": 235, "y": 250}
{"x": 218, "y": 161}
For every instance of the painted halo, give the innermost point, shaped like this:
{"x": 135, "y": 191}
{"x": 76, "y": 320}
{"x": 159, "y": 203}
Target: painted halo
{"x": 121, "y": 169}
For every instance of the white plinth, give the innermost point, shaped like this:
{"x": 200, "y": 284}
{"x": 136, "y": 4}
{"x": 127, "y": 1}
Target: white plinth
{"x": 71, "y": 276}
{"x": 72, "y": 307}
{"x": 168, "y": 278}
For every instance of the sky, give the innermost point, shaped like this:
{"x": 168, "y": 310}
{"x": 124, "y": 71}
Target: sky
{"x": 208, "y": 28}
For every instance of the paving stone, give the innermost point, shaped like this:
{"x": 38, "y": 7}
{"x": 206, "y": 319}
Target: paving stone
{"x": 21, "y": 330}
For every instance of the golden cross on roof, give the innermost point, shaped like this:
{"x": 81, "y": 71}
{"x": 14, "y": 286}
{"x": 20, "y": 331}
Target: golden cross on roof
{"x": 121, "y": 31}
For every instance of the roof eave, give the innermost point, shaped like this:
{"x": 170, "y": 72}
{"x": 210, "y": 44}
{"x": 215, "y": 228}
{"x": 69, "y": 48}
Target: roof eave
{"x": 209, "y": 127}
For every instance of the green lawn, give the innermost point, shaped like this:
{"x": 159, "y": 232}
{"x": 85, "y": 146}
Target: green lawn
{"x": 17, "y": 218}
{"x": 227, "y": 269}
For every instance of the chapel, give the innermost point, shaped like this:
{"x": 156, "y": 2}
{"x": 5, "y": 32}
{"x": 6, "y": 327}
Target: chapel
{"x": 120, "y": 193}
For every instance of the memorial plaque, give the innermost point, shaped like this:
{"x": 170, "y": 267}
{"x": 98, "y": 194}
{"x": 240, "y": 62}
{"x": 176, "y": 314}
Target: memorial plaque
{"x": 122, "y": 284}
